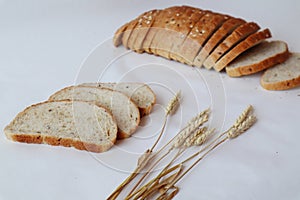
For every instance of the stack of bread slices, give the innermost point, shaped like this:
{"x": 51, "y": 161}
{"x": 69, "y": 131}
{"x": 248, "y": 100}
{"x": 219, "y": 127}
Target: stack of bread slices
{"x": 90, "y": 116}
{"x": 205, "y": 38}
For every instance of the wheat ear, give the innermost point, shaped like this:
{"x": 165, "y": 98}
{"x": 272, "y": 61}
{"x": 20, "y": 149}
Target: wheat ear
{"x": 173, "y": 104}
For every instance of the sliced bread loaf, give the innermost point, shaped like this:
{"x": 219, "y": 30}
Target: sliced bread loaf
{"x": 227, "y": 28}
{"x": 258, "y": 58}
{"x": 229, "y": 42}
{"x": 122, "y": 108}
{"x": 283, "y": 76}
{"x": 82, "y": 125}
{"x": 140, "y": 93}
{"x": 249, "y": 42}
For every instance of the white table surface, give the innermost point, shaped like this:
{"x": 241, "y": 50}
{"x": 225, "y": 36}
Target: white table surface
{"x": 42, "y": 47}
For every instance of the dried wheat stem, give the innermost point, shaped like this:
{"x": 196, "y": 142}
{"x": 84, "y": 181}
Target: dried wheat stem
{"x": 193, "y": 165}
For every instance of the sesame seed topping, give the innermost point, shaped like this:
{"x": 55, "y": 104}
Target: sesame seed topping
{"x": 148, "y": 22}
{"x": 177, "y": 14}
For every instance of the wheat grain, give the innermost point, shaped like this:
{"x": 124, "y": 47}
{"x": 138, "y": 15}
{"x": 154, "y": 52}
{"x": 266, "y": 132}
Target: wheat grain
{"x": 193, "y": 137}
{"x": 242, "y": 127}
{"x": 195, "y": 123}
{"x": 173, "y": 104}
{"x": 203, "y": 137}
{"x": 202, "y": 114}
{"x": 243, "y": 116}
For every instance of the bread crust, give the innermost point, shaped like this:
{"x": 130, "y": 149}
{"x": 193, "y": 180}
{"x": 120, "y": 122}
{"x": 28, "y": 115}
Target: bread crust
{"x": 55, "y": 141}
{"x": 282, "y": 85}
{"x": 234, "y": 38}
{"x": 249, "y": 42}
{"x": 257, "y": 67}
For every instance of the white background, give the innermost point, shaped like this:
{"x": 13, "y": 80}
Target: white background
{"x": 42, "y": 45}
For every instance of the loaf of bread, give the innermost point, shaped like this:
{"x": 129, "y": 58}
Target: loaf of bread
{"x": 140, "y": 93}
{"x": 190, "y": 35}
{"x": 122, "y": 108}
{"x": 78, "y": 124}
{"x": 283, "y": 76}
{"x": 258, "y": 58}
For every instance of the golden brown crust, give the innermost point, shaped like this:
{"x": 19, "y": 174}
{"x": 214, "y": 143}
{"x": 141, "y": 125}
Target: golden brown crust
{"x": 282, "y": 85}
{"x": 257, "y": 67}
{"x": 117, "y": 40}
{"x": 234, "y": 38}
{"x": 66, "y": 142}
{"x": 249, "y": 42}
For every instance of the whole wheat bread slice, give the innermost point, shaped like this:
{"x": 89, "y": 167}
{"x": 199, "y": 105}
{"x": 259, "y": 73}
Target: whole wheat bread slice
{"x": 226, "y": 29}
{"x": 283, "y": 76}
{"x": 258, "y": 58}
{"x": 82, "y": 125}
{"x": 249, "y": 42}
{"x": 140, "y": 93}
{"x": 122, "y": 108}
{"x": 229, "y": 42}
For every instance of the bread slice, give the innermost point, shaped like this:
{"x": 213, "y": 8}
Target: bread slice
{"x": 82, "y": 125}
{"x": 146, "y": 17}
{"x": 140, "y": 93}
{"x": 158, "y": 21}
{"x": 142, "y": 29}
{"x": 164, "y": 27}
{"x": 234, "y": 38}
{"x": 117, "y": 40}
{"x": 200, "y": 33}
{"x": 226, "y": 29}
{"x": 122, "y": 108}
{"x": 186, "y": 24}
{"x": 249, "y": 42}
{"x": 258, "y": 58}
{"x": 174, "y": 30}
{"x": 283, "y": 76}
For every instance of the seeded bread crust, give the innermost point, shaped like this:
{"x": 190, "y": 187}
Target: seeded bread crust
{"x": 116, "y": 102}
{"x": 237, "y": 68}
{"x": 233, "y": 39}
{"x": 199, "y": 35}
{"x": 283, "y": 76}
{"x": 37, "y": 137}
{"x": 142, "y": 29}
{"x": 163, "y": 28}
{"x": 249, "y": 42}
{"x": 146, "y": 17}
{"x": 159, "y": 19}
{"x": 135, "y": 91}
{"x": 188, "y": 21}
{"x": 226, "y": 29}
